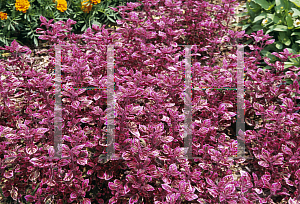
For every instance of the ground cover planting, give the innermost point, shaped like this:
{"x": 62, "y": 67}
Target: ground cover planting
{"x": 159, "y": 84}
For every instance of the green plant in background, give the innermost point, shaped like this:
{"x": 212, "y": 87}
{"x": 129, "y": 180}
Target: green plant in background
{"x": 20, "y": 18}
{"x": 278, "y": 18}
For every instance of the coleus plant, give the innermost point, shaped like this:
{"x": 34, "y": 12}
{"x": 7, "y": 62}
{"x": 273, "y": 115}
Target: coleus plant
{"x": 154, "y": 167}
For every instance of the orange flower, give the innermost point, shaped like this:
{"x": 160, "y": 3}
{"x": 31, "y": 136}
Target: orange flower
{"x": 86, "y": 6}
{"x": 95, "y": 1}
{"x": 3, "y": 15}
{"x": 22, "y": 5}
{"x": 61, "y": 5}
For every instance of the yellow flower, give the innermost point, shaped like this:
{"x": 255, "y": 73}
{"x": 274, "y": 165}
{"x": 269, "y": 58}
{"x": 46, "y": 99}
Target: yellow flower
{"x": 22, "y": 5}
{"x": 86, "y": 6}
{"x": 3, "y": 15}
{"x": 95, "y": 1}
{"x": 61, "y": 5}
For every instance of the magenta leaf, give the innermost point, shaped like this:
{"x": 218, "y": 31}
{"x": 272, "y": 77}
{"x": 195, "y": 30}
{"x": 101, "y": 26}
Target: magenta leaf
{"x": 263, "y": 164}
{"x": 213, "y": 192}
{"x": 86, "y": 201}
{"x": 148, "y": 187}
{"x": 171, "y": 198}
{"x": 167, "y": 188}
{"x": 133, "y": 199}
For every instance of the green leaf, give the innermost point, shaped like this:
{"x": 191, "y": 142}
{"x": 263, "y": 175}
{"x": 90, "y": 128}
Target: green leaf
{"x": 254, "y": 7}
{"x": 278, "y": 2}
{"x": 296, "y": 12}
{"x": 260, "y": 17}
{"x": 35, "y": 189}
{"x": 296, "y": 2}
{"x": 245, "y": 26}
{"x": 257, "y": 27}
{"x": 298, "y": 41}
{"x": 271, "y": 28}
{"x": 271, "y": 16}
{"x": 112, "y": 20}
{"x": 279, "y": 45}
{"x": 242, "y": 14}
{"x": 280, "y": 28}
{"x": 289, "y": 21}
{"x": 288, "y": 64}
{"x": 276, "y": 19}
{"x": 82, "y": 29}
{"x": 263, "y": 3}
{"x": 288, "y": 81}
{"x": 287, "y": 42}
{"x": 35, "y": 41}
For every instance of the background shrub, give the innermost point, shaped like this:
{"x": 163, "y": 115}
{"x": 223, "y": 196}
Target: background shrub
{"x": 278, "y": 18}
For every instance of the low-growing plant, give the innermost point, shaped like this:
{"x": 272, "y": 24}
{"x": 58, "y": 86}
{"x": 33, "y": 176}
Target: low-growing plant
{"x": 149, "y": 114}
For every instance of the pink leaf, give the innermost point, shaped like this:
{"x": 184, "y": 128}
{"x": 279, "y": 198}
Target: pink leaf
{"x": 173, "y": 170}
{"x": 148, "y": 187}
{"x": 276, "y": 187}
{"x": 82, "y": 161}
{"x": 68, "y": 176}
{"x": 212, "y": 192}
{"x": 43, "y": 19}
{"x": 126, "y": 188}
{"x": 229, "y": 189}
{"x": 37, "y": 161}
{"x": 86, "y": 201}
{"x": 31, "y": 149}
{"x": 112, "y": 186}
{"x": 42, "y": 130}
{"x": 135, "y": 132}
{"x": 270, "y": 42}
{"x": 297, "y": 174}
{"x": 73, "y": 195}
{"x": 113, "y": 200}
{"x": 51, "y": 151}
{"x": 172, "y": 198}
{"x": 131, "y": 179}
{"x": 85, "y": 183}
{"x": 134, "y": 199}
{"x": 286, "y": 150}
{"x": 86, "y": 120}
{"x": 12, "y": 136}
{"x": 191, "y": 197}
{"x": 258, "y": 190}
{"x": 263, "y": 164}
{"x": 30, "y": 198}
{"x": 64, "y": 162}
{"x": 9, "y": 174}
{"x": 167, "y": 139}
{"x": 210, "y": 182}
{"x": 167, "y": 188}
{"x": 75, "y": 104}
{"x": 108, "y": 175}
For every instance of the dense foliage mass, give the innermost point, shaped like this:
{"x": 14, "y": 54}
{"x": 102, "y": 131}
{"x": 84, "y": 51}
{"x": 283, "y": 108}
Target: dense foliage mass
{"x": 149, "y": 113}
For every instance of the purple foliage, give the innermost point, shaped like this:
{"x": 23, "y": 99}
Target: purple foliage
{"x": 149, "y": 67}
